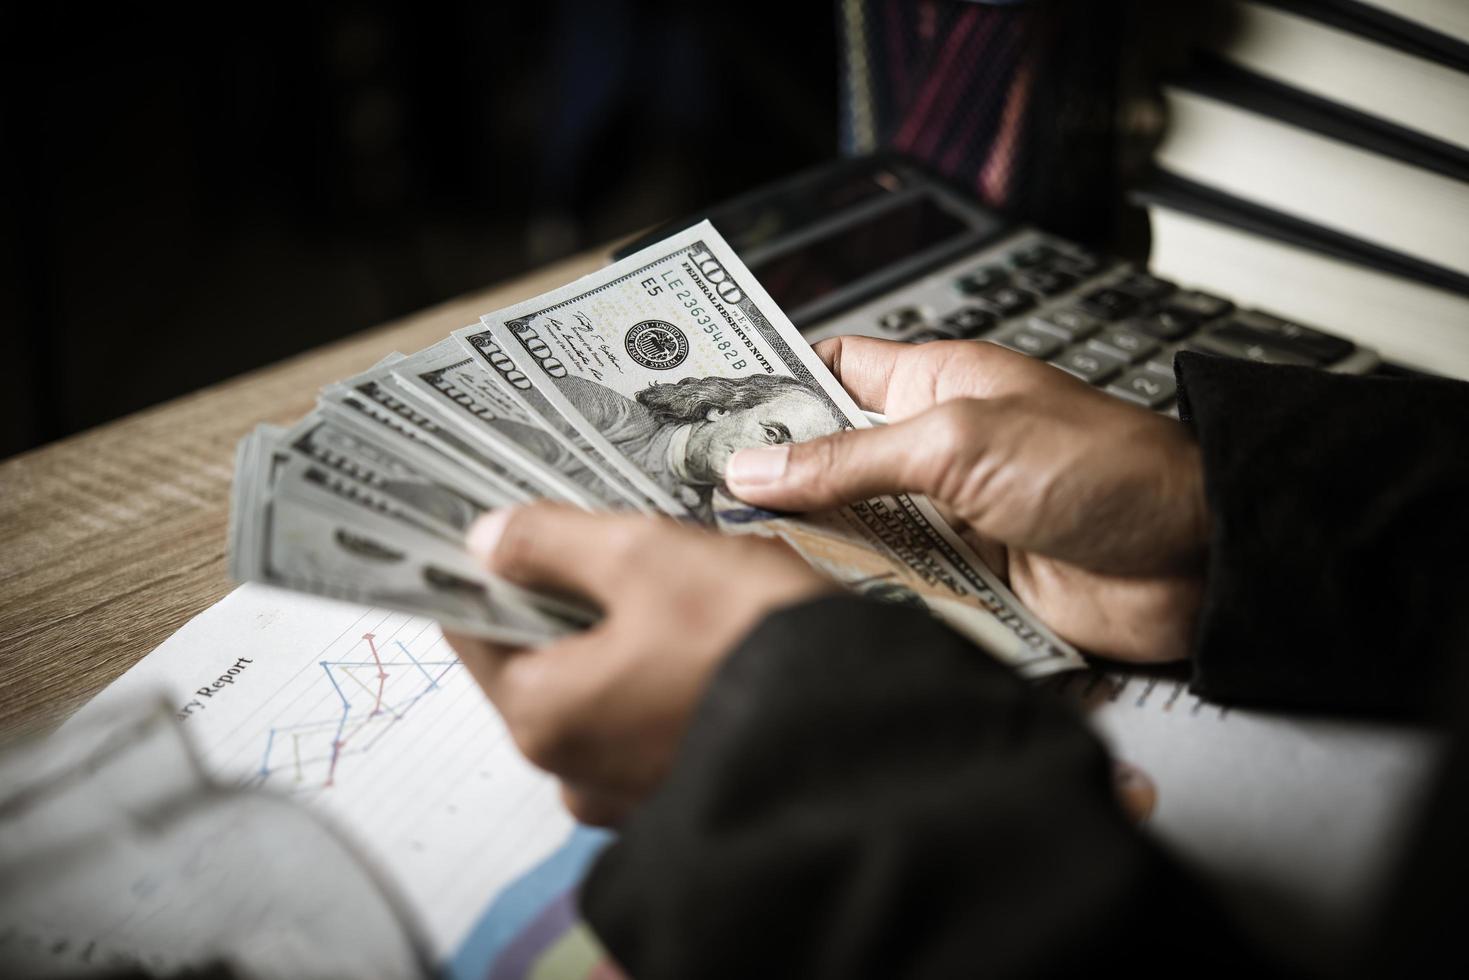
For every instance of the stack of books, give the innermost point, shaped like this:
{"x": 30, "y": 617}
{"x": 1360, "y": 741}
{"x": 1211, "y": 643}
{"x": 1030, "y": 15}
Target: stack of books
{"x": 1316, "y": 164}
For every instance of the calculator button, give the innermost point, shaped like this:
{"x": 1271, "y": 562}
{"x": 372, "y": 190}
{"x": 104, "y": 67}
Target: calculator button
{"x": 1068, "y": 322}
{"x": 967, "y": 322}
{"x": 1108, "y": 303}
{"x": 1144, "y": 387}
{"x": 1033, "y": 255}
{"x": 1161, "y": 361}
{"x": 983, "y": 278}
{"x": 1047, "y": 282}
{"x": 1144, "y": 286}
{"x": 1091, "y": 366}
{"x": 1200, "y": 306}
{"x": 1123, "y": 342}
{"x": 1238, "y": 340}
{"x": 1032, "y": 342}
{"x": 1080, "y": 263}
{"x": 1007, "y": 301}
{"x": 927, "y": 336}
{"x": 1165, "y": 324}
{"x": 900, "y": 319}
{"x": 1323, "y": 348}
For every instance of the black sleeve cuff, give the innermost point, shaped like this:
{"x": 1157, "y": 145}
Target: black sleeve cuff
{"x": 1340, "y": 506}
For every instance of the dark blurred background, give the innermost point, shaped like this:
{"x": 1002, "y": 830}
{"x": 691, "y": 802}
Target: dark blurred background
{"x": 191, "y": 195}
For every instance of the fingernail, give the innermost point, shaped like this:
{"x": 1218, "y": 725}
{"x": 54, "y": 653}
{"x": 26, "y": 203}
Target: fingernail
{"x": 752, "y": 467}
{"x": 486, "y": 532}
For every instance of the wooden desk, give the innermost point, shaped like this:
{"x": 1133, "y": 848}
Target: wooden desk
{"x": 110, "y": 540}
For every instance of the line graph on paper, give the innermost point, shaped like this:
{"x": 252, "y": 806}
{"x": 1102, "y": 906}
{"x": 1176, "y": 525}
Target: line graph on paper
{"x": 376, "y": 699}
{"x": 367, "y": 718}
{"x": 374, "y": 696}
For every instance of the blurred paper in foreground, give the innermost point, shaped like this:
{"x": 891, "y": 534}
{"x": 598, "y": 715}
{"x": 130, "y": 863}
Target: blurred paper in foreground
{"x": 197, "y": 833}
{"x": 117, "y": 853}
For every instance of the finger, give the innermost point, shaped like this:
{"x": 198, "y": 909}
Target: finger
{"x": 864, "y": 366}
{"x": 1136, "y": 791}
{"x": 912, "y": 456}
{"x": 483, "y": 659}
{"x": 544, "y": 695}
{"x": 558, "y": 548}
{"x": 592, "y": 806}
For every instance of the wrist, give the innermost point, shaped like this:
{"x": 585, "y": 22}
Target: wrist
{"x": 1196, "y": 520}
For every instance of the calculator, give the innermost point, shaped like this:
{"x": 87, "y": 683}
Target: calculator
{"x": 876, "y": 246}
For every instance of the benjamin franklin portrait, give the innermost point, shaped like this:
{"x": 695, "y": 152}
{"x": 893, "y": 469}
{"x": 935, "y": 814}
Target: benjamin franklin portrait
{"x": 683, "y": 434}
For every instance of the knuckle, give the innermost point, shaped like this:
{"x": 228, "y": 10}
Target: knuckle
{"x": 627, "y": 542}
{"x": 577, "y": 804}
{"x": 541, "y": 740}
{"x": 830, "y": 352}
{"x": 955, "y": 427}
{"x": 819, "y": 466}
{"x": 588, "y": 809}
{"x": 951, "y": 438}
{"x": 814, "y": 458}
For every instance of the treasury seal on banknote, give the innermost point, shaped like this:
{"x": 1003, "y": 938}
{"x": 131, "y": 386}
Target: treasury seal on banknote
{"x": 657, "y": 344}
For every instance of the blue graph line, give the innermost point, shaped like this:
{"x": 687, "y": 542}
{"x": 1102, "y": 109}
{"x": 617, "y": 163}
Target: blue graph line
{"x": 328, "y": 668}
{"x": 340, "y": 720}
{"x": 431, "y": 681}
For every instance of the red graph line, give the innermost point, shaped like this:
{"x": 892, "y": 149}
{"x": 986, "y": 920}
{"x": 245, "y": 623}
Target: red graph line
{"x": 340, "y": 742}
{"x": 382, "y": 675}
{"x": 345, "y": 732}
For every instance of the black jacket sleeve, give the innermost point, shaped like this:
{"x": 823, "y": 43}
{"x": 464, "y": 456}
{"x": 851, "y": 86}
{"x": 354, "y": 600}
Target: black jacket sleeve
{"x": 1338, "y": 572}
{"x": 864, "y": 794}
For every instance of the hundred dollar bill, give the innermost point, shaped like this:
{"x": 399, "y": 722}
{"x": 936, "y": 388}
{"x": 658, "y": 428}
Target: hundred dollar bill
{"x": 345, "y": 411}
{"x": 430, "y": 502}
{"x": 312, "y": 531}
{"x": 246, "y": 492}
{"x": 375, "y": 402}
{"x": 674, "y": 358}
{"x": 479, "y": 343}
{"x": 451, "y": 385}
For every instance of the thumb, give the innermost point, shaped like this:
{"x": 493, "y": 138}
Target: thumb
{"x": 912, "y": 456}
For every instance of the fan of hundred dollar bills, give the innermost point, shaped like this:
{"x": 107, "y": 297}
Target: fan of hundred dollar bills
{"x": 627, "y": 389}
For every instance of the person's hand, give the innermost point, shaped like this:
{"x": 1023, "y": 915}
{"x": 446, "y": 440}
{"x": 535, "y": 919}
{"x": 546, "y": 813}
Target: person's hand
{"x": 605, "y": 710}
{"x": 1091, "y": 509}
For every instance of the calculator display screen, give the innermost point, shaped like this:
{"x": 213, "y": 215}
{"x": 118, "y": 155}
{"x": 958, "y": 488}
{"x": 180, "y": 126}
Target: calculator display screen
{"x": 850, "y": 253}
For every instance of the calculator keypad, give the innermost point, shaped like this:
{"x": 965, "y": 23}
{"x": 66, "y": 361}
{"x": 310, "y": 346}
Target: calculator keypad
{"x": 1108, "y": 303}
{"x": 1110, "y": 324}
{"x": 968, "y": 322}
{"x": 1143, "y": 286}
{"x": 1145, "y": 387}
{"x": 984, "y": 278}
{"x": 1068, "y": 322}
{"x": 1124, "y": 342}
{"x": 1091, "y": 366}
{"x": 900, "y": 319}
{"x": 1047, "y": 282}
{"x": 1032, "y": 342}
{"x": 1165, "y": 324}
{"x": 1007, "y": 301}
